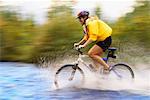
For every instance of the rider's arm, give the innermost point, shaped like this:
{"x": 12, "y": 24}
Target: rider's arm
{"x": 92, "y": 38}
{"x": 87, "y": 42}
{"x": 84, "y": 39}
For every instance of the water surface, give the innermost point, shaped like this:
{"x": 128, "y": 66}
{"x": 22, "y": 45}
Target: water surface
{"x": 27, "y": 82}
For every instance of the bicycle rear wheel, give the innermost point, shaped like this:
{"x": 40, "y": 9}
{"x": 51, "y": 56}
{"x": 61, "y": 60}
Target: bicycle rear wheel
{"x": 121, "y": 71}
{"x": 69, "y": 75}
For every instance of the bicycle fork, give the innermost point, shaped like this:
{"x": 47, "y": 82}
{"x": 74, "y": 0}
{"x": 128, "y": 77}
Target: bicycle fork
{"x": 73, "y": 72}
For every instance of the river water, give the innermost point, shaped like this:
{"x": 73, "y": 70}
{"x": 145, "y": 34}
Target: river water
{"x": 27, "y": 82}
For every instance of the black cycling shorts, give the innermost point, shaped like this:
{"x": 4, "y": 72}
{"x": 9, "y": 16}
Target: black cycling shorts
{"x": 105, "y": 44}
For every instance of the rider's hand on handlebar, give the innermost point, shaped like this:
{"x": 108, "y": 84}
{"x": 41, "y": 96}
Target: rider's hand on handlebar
{"x": 76, "y": 44}
{"x": 80, "y": 46}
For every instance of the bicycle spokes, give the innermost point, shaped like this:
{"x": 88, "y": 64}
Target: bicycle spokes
{"x": 69, "y": 75}
{"x": 122, "y": 71}
{"x": 117, "y": 73}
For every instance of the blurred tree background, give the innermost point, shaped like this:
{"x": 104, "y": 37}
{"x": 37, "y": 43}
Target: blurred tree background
{"x": 132, "y": 32}
{"x": 21, "y": 39}
{"x": 16, "y": 36}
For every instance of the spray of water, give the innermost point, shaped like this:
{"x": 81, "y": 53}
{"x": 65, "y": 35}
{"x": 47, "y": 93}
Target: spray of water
{"x": 141, "y": 83}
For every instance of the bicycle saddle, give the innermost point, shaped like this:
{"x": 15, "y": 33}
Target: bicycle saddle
{"x": 111, "y": 52}
{"x": 112, "y": 48}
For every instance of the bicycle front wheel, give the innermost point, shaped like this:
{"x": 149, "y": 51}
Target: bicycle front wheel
{"x": 69, "y": 75}
{"x": 122, "y": 71}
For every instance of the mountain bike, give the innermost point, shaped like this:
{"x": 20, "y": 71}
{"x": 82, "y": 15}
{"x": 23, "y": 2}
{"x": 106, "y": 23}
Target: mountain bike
{"x": 73, "y": 72}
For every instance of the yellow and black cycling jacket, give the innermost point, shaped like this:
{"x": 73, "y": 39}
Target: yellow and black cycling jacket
{"x": 96, "y": 29}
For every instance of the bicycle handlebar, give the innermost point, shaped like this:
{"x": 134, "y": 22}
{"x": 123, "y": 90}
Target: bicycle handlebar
{"x": 78, "y": 49}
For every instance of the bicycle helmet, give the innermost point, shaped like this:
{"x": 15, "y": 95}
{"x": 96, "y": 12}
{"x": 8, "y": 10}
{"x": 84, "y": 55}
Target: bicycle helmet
{"x": 83, "y": 14}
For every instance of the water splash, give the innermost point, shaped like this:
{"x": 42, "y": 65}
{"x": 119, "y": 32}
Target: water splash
{"x": 140, "y": 85}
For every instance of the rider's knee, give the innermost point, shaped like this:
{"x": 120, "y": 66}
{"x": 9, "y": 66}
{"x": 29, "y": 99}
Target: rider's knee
{"x": 91, "y": 54}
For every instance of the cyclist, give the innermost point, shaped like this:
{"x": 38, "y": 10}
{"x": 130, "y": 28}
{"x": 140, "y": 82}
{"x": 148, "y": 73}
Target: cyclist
{"x": 95, "y": 31}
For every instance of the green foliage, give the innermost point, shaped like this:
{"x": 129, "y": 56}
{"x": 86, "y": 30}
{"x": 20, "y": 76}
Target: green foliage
{"x": 60, "y": 32}
{"x": 98, "y": 11}
{"x": 16, "y": 36}
{"x": 23, "y": 40}
{"x": 134, "y": 27}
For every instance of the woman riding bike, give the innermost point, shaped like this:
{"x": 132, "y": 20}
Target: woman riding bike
{"x": 95, "y": 31}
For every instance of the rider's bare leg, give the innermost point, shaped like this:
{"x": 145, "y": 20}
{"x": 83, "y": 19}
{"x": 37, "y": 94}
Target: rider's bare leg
{"x": 96, "y": 64}
{"x": 95, "y": 53}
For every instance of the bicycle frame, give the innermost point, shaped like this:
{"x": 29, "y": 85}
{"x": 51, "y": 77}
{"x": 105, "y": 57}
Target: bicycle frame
{"x": 80, "y": 60}
{"x": 109, "y": 54}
